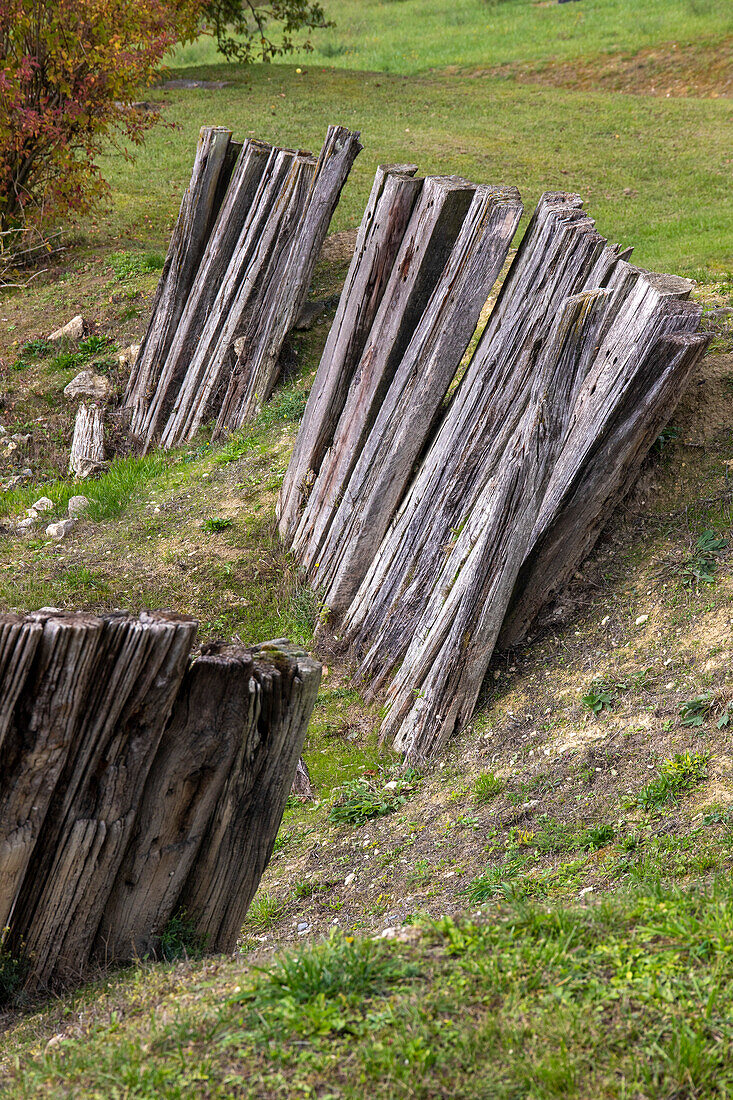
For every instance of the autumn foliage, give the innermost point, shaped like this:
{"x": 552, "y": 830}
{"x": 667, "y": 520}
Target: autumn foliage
{"x": 69, "y": 70}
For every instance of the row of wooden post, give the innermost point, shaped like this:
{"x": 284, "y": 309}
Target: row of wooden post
{"x": 436, "y": 504}
{"x": 238, "y": 268}
{"x": 136, "y": 783}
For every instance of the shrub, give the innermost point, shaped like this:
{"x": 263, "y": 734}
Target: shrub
{"x": 244, "y": 30}
{"x": 69, "y": 70}
{"x": 359, "y": 801}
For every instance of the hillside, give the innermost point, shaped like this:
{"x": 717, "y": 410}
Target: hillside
{"x": 545, "y": 911}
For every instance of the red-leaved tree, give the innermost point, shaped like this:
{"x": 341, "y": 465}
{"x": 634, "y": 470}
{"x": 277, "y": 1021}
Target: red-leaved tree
{"x": 68, "y": 72}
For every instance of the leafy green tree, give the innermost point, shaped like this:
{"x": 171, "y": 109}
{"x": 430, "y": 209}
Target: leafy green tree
{"x": 247, "y": 31}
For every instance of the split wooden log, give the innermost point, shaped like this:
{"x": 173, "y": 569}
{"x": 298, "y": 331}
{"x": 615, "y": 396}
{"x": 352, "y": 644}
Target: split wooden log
{"x": 199, "y": 207}
{"x": 380, "y": 235}
{"x": 87, "y": 447}
{"x": 257, "y": 366}
{"x": 120, "y": 763}
{"x": 242, "y": 832}
{"x": 302, "y": 785}
{"x": 559, "y": 249}
{"x": 136, "y": 677}
{"x": 19, "y": 640}
{"x": 406, "y": 419}
{"x": 37, "y": 739}
{"x": 230, "y": 228}
{"x": 430, "y": 237}
{"x": 435, "y": 691}
{"x": 284, "y": 182}
{"x": 621, "y": 410}
{"x": 215, "y": 714}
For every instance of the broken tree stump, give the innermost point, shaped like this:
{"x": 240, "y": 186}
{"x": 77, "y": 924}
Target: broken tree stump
{"x": 87, "y": 446}
{"x": 382, "y": 228}
{"x": 199, "y": 206}
{"x": 433, "y": 506}
{"x": 131, "y": 776}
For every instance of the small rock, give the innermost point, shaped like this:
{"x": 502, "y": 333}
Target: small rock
{"x": 641, "y": 620}
{"x": 74, "y": 329}
{"x": 349, "y": 879}
{"x": 28, "y": 522}
{"x": 408, "y": 934}
{"x": 605, "y": 620}
{"x": 14, "y": 482}
{"x": 43, "y": 504}
{"x": 127, "y": 357}
{"x": 669, "y": 686}
{"x": 78, "y": 506}
{"x": 3, "y": 431}
{"x": 88, "y": 384}
{"x": 61, "y": 529}
{"x": 303, "y": 927}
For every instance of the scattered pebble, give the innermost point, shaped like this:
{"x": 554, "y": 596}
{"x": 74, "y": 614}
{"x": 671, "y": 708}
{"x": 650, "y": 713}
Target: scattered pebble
{"x": 74, "y": 329}
{"x": 61, "y": 529}
{"x": 641, "y": 620}
{"x": 349, "y": 879}
{"x": 78, "y": 506}
{"x": 88, "y": 384}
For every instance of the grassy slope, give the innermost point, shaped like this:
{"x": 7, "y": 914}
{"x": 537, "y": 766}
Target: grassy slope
{"x": 541, "y": 807}
{"x": 410, "y": 36}
{"x": 654, "y": 173}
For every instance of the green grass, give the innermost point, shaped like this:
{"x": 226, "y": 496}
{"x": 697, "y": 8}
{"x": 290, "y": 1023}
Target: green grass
{"x": 410, "y": 36}
{"x": 487, "y": 787}
{"x": 109, "y": 495}
{"x": 674, "y": 777}
{"x": 629, "y": 997}
{"x": 613, "y": 149}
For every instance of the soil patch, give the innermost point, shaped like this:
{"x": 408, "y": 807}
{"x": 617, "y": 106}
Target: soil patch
{"x": 703, "y": 70}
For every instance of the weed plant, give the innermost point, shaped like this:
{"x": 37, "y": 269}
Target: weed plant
{"x": 487, "y": 787}
{"x": 675, "y": 776}
{"x": 360, "y": 800}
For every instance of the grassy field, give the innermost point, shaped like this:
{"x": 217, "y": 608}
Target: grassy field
{"x": 654, "y": 173}
{"x": 410, "y": 36}
{"x": 559, "y": 884}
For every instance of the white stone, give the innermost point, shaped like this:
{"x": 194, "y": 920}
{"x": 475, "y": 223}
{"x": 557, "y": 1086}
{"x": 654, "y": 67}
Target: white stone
{"x": 127, "y": 357}
{"x": 349, "y": 879}
{"x": 641, "y": 620}
{"x": 88, "y": 384}
{"x": 43, "y": 504}
{"x": 61, "y": 529}
{"x": 28, "y": 522}
{"x": 78, "y": 506}
{"x": 72, "y": 330}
